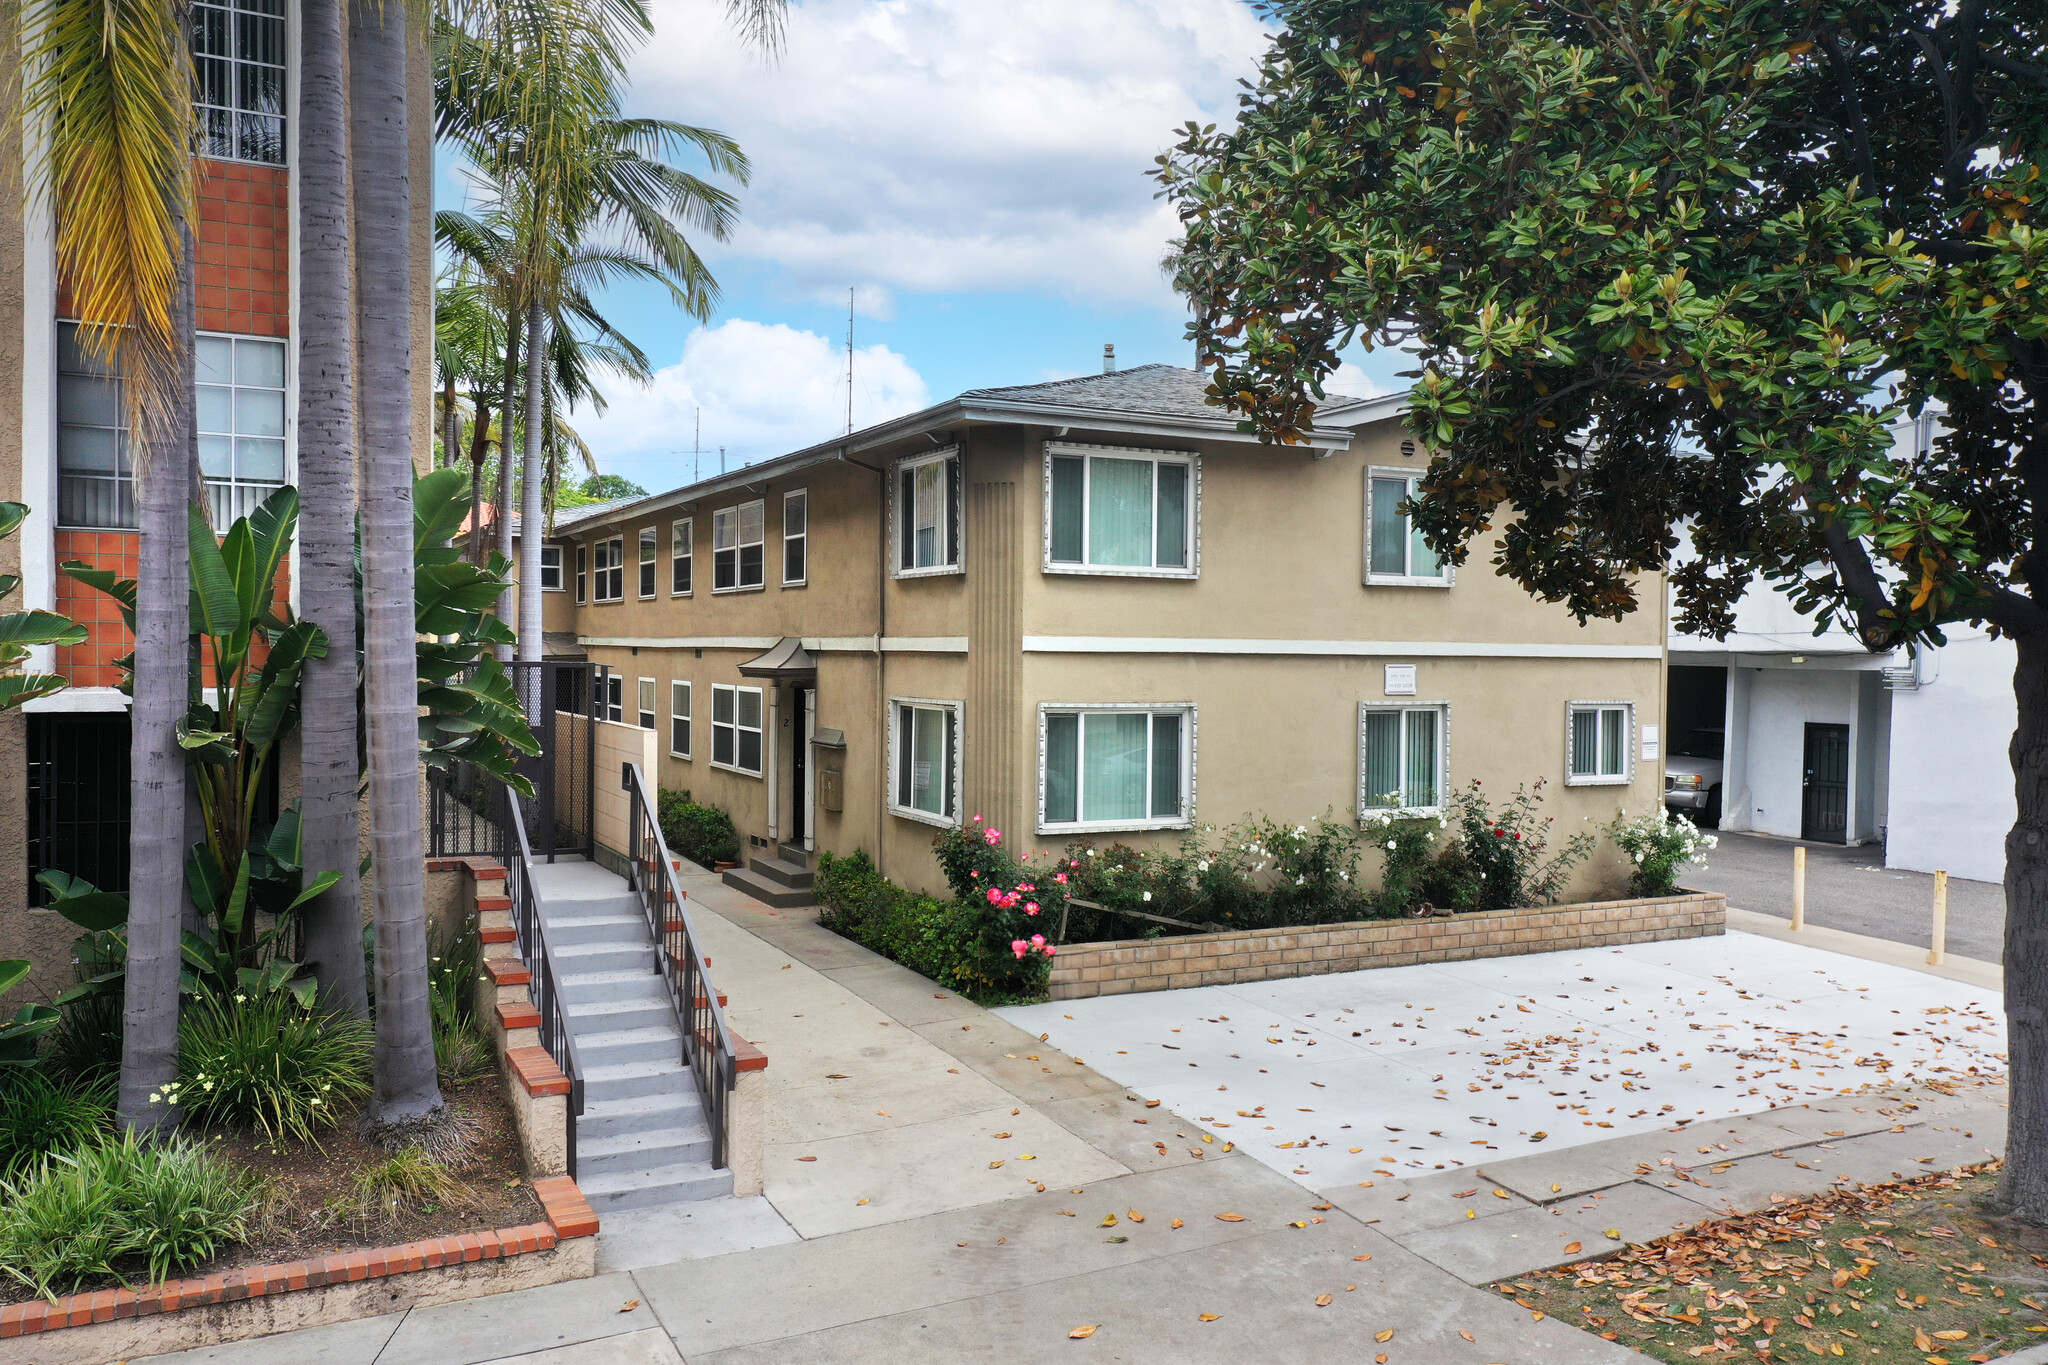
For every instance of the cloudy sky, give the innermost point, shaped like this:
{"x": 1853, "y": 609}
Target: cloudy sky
{"x": 973, "y": 170}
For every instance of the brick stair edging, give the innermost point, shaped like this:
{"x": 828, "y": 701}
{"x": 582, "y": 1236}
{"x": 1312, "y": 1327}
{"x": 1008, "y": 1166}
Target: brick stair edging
{"x": 1124, "y": 966}
{"x": 259, "y": 1300}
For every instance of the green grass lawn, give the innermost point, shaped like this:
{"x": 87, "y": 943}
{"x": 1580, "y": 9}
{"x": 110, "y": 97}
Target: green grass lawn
{"x": 1916, "y": 1271}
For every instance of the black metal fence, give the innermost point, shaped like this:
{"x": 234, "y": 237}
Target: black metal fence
{"x": 466, "y": 814}
{"x": 78, "y": 798}
{"x": 544, "y": 989}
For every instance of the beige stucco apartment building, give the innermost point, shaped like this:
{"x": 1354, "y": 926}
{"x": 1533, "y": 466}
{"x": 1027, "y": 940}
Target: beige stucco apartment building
{"x": 1090, "y": 610}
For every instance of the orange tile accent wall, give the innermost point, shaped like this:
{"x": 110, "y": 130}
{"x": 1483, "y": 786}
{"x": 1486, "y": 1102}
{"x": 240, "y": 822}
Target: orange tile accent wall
{"x": 92, "y": 663}
{"x": 244, "y": 251}
{"x": 244, "y": 283}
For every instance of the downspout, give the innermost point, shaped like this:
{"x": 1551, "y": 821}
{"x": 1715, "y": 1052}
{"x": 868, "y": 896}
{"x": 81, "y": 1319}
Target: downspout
{"x": 881, "y": 657}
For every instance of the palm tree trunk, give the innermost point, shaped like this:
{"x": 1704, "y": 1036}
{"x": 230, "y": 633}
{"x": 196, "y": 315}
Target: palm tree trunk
{"x": 479, "y": 448}
{"x": 407, "y": 1093}
{"x": 532, "y": 514}
{"x": 504, "y": 512}
{"x": 157, "y": 796}
{"x": 329, "y": 769}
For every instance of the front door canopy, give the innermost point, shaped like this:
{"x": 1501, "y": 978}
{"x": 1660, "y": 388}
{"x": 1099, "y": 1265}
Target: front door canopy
{"x": 787, "y": 659}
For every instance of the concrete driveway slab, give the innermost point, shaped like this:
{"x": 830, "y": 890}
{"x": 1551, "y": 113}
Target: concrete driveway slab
{"x": 779, "y": 1292}
{"x": 1264, "y": 1293}
{"x": 648, "y": 1347}
{"x": 1547, "y": 1177}
{"x": 339, "y": 1343}
{"x": 915, "y": 1169}
{"x": 1002, "y": 1052}
{"x": 476, "y": 1330}
{"x": 1439, "y": 1199}
{"x": 1117, "y": 1124}
{"x": 902, "y": 994}
{"x": 1528, "y": 1238}
{"x": 632, "y": 1238}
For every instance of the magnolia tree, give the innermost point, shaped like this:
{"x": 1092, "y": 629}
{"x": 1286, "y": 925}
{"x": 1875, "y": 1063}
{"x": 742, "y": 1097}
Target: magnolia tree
{"x": 1677, "y": 264}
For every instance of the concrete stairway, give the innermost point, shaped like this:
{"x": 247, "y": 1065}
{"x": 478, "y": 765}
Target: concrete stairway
{"x": 642, "y": 1139}
{"x": 783, "y": 881}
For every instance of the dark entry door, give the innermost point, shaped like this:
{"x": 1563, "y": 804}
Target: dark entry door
{"x": 1824, "y": 801}
{"x": 800, "y": 757}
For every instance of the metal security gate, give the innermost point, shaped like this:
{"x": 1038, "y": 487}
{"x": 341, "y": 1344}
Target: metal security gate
{"x": 1824, "y": 795}
{"x": 466, "y": 810}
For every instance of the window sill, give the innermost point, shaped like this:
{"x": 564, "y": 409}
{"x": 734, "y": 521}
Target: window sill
{"x": 545, "y": 588}
{"x": 1373, "y": 813}
{"x": 744, "y": 587}
{"x": 685, "y": 593}
{"x": 1117, "y": 571}
{"x": 941, "y": 571}
{"x": 1115, "y": 826}
{"x": 924, "y": 817}
{"x": 733, "y": 768}
{"x": 684, "y": 757}
{"x": 1385, "y": 580}
{"x": 796, "y": 583}
{"x": 1615, "y": 780}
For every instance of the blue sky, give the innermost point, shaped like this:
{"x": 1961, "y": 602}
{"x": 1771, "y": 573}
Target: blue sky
{"x": 973, "y": 169}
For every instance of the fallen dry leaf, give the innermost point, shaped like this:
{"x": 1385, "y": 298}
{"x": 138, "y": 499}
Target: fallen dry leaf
{"x": 1083, "y": 1333}
{"x": 1536, "y": 1316}
{"x": 1465, "y": 1334}
{"x": 1151, "y": 1104}
{"x": 1502, "y": 1194}
{"x": 1362, "y": 1258}
{"x": 1384, "y": 1334}
{"x": 1323, "y": 1300}
{"x": 1571, "y": 1248}
{"x": 1612, "y": 1234}
{"x": 629, "y": 1305}
{"x": 858, "y": 1202}
{"x": 1108, "y": 1220}
{"x": 1002, "y": 1135}
{"x": 1134, "y": 1215}
{"x": 1953, "y": 1334}
{"x": 807, "y": 1158}
{"x": 1210, "y": 1317}
{"x": 1230, "y": 1218}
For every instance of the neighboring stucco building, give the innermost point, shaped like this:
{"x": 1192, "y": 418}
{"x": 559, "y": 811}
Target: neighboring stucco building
{"x": 1824, "y": 740}
{"x": 64, "y": 759}
{"x": 1092, "y": 610}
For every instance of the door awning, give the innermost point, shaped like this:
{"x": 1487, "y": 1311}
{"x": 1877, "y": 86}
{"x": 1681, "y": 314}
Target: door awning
{"x": 787, "y": 659}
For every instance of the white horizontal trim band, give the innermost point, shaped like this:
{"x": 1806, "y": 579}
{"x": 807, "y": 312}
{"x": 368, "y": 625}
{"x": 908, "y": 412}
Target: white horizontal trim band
{"x": 1429, "y": 649}
{"x": 76, "y": 700}
{"x": 827, "y": 644}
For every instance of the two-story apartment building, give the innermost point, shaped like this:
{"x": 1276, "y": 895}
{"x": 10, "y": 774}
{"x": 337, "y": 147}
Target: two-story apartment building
{"x": 1091, "y": 610}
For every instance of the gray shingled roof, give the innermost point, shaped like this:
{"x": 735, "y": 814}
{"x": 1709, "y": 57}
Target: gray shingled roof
{"x": 1161, "y": 390}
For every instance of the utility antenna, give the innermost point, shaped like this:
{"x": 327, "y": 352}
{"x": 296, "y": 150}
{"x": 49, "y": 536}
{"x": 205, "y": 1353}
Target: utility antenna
{"x": 697, "y": 447}
{"x": 849, "y": 360}
{"x": 721, "y": 459}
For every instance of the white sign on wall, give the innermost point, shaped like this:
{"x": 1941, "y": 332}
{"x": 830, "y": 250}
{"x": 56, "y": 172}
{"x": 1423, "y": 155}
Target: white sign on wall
{"x": 1400, "y": 680}
{"x": 1649, "y": 743}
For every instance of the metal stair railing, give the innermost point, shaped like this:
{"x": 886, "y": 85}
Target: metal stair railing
{"x": 707, "y": 1042}
{"x": 544, "y": 987}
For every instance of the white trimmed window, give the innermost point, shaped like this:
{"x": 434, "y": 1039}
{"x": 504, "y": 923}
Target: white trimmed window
{"x": 646, "y": 699}
{"x": 926, "y": 510}
{"x": 682, "y": 556}
{"x": 1395, "y": 552}
{"x": 615, "y": 698}
{"x": 1598, "y": 737}
{"x": 610, "y": 570}
{"x": 1116, "y": 511}
{"x": 679, "y": 719}
{"x": 736, "y": 728}
{"x": 924, "y": 760}
{"x": 1115, "y": 767}
{"x": 550, "y": 568}
{"x": 582, "y": 575}
{"x": 647, "y": 553}
{"x": 736, "y": 547}
{"x": 1403, "y": 753}
{"x": 238, "y": 79}
{"x": 796, "y": 537}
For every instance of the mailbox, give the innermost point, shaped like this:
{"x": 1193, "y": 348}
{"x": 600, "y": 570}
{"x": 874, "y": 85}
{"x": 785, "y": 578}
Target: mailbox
{"x": 828, "y": 748}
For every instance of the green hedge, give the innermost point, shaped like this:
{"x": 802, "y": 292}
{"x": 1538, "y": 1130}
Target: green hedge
{"x": 935, "y": 937}
{"x": 703, "y": 834}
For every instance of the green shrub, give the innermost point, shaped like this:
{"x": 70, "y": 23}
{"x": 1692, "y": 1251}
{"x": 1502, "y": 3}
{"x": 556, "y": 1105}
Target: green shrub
{"x": 1659, "y": 845}
{"x": 703, "y": 834}
{"x": 79, "y": 1216}
{"x": 1505, "y": 850}
{"x": 926, "y": 934}
{"x": 407, "y": 1177}
{"x": 40, "y": 1114}
{"x": 267, "y": 1062}
{"x": 455, "y": 962}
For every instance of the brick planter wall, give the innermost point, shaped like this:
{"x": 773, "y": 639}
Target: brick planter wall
{"x": 1088, "y": 969}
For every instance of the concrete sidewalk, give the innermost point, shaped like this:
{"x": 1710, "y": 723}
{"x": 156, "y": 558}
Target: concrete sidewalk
{"x": 1852, "y": 889}
{"x": 920, "y": 1230}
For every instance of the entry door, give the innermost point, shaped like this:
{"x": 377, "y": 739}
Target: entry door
{"x": 799, "y": 767}
{"x": 1824, "y": 801}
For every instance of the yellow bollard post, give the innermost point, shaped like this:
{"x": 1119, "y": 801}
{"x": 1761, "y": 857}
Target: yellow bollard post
{"x": 1934, "y": 954}
{"x": 1799, "y": 887}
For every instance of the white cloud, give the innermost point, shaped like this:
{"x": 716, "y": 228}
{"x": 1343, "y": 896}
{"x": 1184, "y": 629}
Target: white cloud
{"x": 762, "y": 389}
{"x": 1355, "y": 381}
{"x": 947, "y": 145}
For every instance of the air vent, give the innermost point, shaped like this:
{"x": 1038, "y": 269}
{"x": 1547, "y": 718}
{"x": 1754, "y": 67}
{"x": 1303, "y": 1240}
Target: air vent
{"x": 1408, "y": 450}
